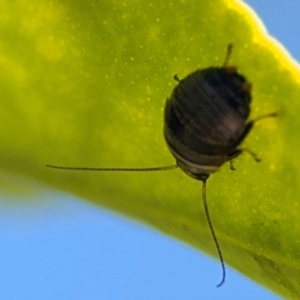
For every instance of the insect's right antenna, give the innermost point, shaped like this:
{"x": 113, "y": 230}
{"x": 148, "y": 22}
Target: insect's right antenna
{"x": 165, "y": 168}
{"x": 212, "y": 229}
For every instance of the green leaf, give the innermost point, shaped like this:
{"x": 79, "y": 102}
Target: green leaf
{"x": 84, "y": 83}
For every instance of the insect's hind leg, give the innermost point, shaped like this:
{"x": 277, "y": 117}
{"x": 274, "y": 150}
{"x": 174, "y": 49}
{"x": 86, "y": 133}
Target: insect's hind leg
{"x": 251, "y": 123}
{"x": 239, "y": 151}
{"x": 270, "y": 115}
{"x": 228, "y": 54}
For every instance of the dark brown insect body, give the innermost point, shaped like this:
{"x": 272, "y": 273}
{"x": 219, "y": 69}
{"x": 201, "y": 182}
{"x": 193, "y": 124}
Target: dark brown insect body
{"x": 206, "y": 119}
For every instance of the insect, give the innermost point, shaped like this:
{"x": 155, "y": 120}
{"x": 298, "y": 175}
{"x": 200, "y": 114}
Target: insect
{"x": 205, "y": 121}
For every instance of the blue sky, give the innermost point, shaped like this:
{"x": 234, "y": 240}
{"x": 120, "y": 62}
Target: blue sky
{"x": 63, "y": 248}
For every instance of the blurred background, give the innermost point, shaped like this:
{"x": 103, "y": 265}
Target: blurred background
{"x": 60, "y": 247}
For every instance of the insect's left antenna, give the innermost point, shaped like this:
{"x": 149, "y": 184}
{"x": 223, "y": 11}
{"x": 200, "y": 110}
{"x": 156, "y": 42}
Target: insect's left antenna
{"x": 212, "y": 229}
{"x": 165, "y": 168}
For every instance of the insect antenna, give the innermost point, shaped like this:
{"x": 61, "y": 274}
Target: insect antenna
{"x": 212, "y": 229}
{"x": 165, "y": 168}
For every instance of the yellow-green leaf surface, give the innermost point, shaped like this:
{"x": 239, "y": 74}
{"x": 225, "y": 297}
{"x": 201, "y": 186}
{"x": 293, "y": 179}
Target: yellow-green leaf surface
{"x": 83, "y": 83}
